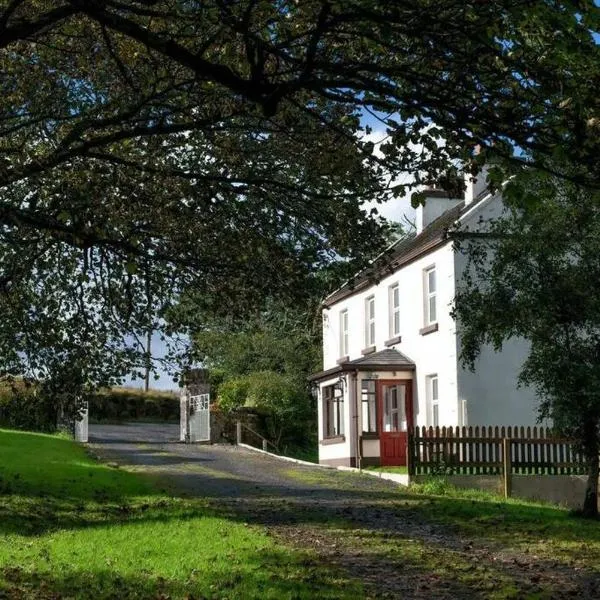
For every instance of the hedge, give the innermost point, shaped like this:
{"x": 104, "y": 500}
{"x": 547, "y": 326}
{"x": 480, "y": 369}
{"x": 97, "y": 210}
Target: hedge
{"x": 127, "y": 404}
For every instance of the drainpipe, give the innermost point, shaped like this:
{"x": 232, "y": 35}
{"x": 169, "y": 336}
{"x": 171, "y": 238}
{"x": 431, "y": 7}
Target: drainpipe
{"x": 357, "y": 456}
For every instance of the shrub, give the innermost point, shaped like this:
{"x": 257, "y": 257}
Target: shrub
{"x": 22, "y": 406}
{"x": 129, "y": 404}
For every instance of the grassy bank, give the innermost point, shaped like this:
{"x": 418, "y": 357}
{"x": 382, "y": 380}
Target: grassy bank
{"x": 71, "y": 527}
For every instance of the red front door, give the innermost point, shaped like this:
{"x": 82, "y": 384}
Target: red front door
{"x": 395, "y": 417}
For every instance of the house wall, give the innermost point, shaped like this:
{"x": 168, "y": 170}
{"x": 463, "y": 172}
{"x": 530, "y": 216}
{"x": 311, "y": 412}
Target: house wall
{"x": 434, "y": 353}
{"x": 491, "y": 392}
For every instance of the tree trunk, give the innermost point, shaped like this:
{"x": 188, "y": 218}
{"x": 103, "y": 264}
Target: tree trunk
{"x": 590, "y": 504}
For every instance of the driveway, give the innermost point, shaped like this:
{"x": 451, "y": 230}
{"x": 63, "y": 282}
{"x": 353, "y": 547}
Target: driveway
{"x": 360, "y": 524}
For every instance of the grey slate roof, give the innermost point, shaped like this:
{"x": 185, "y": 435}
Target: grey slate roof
{"x": 384, "y": 360}
{"x": 401, "y": 253}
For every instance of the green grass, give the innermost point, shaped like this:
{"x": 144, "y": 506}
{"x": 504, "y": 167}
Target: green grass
{"x": 531, "y": 527}
{"x": 400, "y": 470}
{"x": 74, "y": 528}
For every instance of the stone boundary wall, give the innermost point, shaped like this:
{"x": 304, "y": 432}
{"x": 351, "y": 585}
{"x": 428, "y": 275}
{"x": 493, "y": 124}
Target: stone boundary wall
{"x": 565, "y": 490}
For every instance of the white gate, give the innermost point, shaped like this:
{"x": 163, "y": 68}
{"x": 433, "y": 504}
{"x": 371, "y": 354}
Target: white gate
{"x": 199, "y": 418}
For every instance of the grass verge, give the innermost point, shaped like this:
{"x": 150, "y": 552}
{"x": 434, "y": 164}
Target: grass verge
{"x": 73, "y": 528}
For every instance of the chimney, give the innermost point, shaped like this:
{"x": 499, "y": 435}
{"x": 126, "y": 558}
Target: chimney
{"x": 475, "y": 185}
{"x": 436, "y": 203}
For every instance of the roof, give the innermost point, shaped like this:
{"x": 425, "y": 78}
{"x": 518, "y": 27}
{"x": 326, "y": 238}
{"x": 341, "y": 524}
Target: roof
{"x": 384, "y": 360}
{"x": 401, "y": 253}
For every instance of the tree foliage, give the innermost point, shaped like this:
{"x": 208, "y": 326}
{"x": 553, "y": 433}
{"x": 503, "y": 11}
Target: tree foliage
{"x": 153, "y": 147}
{"x": 532, "y": 275}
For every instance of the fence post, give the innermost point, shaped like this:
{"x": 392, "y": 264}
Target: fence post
{"x": 264, "y": 444}
{"x": 238, "y": 432}
{"x": 409, "y": 451}
{"x": 507, "y": 464}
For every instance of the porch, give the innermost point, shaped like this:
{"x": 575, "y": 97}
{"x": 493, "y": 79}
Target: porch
{"x": 366, "y": 407}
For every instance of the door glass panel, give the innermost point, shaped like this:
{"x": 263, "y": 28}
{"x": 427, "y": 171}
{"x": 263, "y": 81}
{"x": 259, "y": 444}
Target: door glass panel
{"x": 394, "y": 410}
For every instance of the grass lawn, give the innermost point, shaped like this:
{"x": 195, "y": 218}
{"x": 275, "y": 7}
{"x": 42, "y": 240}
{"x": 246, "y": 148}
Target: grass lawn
{"x": 400, "y": 470}
{"x": 73, "y": 528}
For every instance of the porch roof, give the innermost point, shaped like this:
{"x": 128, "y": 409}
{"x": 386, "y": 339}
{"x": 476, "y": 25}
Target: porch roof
{"x": 384, "y": 360}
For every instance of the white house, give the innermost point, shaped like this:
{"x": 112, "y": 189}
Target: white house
{"x": 390, "y": 349}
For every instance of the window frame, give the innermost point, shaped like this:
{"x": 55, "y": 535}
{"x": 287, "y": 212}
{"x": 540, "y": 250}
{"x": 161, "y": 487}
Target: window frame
{"x": 428, "y": 295}
{"x": 370, "y": 399}
{"x": 370, "y": 321}
{"x": 394, "y": 309}
{"x": 344, "y": 333}
{"x": 433, "y": 400}
{"x": 333, "y": 411}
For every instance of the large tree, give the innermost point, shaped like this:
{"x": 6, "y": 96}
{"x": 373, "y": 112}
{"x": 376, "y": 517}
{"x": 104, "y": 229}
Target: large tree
{"x": 533, "y": 274}
{"x": 148, "y": 147}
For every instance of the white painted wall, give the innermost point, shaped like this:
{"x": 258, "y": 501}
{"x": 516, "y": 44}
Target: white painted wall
{"x": 434, "y": 353}
{"x": 491, "y": 392}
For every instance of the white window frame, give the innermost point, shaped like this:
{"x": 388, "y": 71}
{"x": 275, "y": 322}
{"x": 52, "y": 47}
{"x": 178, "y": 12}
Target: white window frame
{"x": 429, "y": 296}
{"x": 432, "y": 385}
{"x": 370, "y": 321}
{"x": 464, "y": 415}
{"x": 333, "y": 411}
{"x": 344, "y": 335}
{"x": 394, "y": 303}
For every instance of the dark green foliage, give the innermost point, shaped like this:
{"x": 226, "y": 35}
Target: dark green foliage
{"x": 534, "y": 275}
{"x": 22, "y": 406}
{"x": 128, "y": 404}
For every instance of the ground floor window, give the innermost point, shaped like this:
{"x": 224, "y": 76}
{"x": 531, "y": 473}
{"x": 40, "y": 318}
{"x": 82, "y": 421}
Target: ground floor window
{"x": 333, "y": 410}
{"x": 433, "y": 400}
{"x": 369, "y": 406}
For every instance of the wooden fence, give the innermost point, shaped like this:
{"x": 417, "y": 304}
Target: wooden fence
{"x": 491, "y": 451}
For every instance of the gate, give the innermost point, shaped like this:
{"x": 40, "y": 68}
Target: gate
{"x": 199, "y": 418}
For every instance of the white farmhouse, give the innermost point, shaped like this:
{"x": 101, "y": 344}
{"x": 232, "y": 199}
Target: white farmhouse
{"x": 390, "y": 349}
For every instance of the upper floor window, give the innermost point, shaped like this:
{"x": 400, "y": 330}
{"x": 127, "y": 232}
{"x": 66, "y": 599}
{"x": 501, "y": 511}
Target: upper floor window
{"x": 344, "y": 343}
{"x": 394, "y": 310}
{"x": 430, "y": 289}
{"x": 433, "y": 400}
{"x": 370, "y": 321}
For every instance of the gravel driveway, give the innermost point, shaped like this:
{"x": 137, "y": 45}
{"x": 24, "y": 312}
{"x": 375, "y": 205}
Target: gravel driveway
{"x": 361, "y": 524}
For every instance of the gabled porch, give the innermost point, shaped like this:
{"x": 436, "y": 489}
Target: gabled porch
{"x": 366, "y": 406}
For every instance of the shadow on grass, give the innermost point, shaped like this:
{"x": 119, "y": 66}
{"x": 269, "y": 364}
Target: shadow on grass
{"x": 269, "y": 574}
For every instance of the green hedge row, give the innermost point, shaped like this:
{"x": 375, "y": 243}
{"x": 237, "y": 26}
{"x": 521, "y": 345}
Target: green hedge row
{"x": 22, "y": 408}
{"x": 125, "y": 404}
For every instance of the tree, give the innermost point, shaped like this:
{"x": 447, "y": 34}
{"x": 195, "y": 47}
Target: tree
{"x": 531, "y": 275}
{"x": 234, "y": 132}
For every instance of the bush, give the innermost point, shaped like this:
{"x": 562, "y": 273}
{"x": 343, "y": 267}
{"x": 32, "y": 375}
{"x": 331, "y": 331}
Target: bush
{"x": 129, "y": 404}
{"x": 23, "y": 407}
{"x": 283, "y": 407}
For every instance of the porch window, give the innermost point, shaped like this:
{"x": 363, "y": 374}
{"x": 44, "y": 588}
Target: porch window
{"x": 369, "y": 404}
{"x": 333, "y": 410}
{"x": 370, "y": 321}
{"x": 433, "y": 400}
{"x": 344, "y": 333}
{"x": 430, "y": 289}
{"x": 394, "y": 310}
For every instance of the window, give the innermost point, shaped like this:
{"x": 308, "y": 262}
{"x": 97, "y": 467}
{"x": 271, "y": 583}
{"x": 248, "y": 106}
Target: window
{"x": 370, "y": 321}
{"x": 464, "y": 417}
{"x": 430, "y": 289}
{"x": 344, "y": 333}
{"x": 433, "y": 401}
{"x": 369, "y": 410}
{"x": 333, "y": 410}
{"x": 394, "y": 310}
